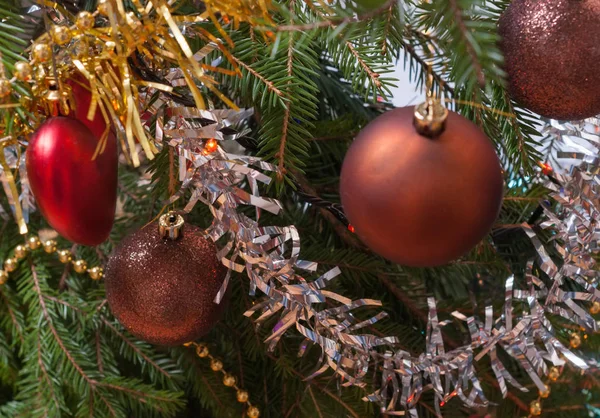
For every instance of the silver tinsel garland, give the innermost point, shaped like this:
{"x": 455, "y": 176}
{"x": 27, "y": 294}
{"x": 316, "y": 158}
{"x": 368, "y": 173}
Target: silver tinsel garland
{"x": 269, "y": 256}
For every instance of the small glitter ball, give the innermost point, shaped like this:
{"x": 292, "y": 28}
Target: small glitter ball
{"x": 162, "y": 290}
{"x": 551, "y": 53}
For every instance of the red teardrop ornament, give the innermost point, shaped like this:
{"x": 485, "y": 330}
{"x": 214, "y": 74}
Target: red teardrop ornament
{"x": 76, "y": 195}
{"x": 83, "y": 98}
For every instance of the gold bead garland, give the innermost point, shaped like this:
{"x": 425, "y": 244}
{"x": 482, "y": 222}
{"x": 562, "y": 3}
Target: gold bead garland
{"x": 23, "y": 71}
{"x": 575, "y": 340}
{"x": 80, "y": 266}
{"x": 554, "y": 373}
{"x": 229, "y": 380}
{"x": 34, "y": 243}
{"x": 20, "y": 252}
{"x": 50, "y": 247}
{"x": 85, "y": 21}
{"x": 65, "y": 256}
{"x": 3, "y": 276}
{"x": 535, "y": 406}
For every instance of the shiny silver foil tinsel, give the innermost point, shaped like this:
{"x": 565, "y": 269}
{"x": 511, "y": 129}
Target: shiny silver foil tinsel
{"x": 269, "y": 256}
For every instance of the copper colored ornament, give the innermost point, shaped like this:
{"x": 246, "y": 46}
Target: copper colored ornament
{"x": 162, "y": 289}
{"x": 419, "y": 200}
{"x": 76, "y": 194}
{"x": 551, "y": 54}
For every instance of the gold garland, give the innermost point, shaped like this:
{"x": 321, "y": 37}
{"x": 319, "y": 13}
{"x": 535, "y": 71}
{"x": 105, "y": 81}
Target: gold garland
{"x": 535, "y": 407}
{"x": 101, "y": 51}
{"x": 65, "y": 256}
{"x": 229, "y": 380}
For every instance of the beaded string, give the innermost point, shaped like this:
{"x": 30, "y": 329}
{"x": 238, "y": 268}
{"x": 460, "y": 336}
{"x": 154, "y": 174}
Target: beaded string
{"x": 229, "y": 380}
{"x": 535, "y": 407}
{"x": 50, "y": 246}
{"x": 80, "y": 266}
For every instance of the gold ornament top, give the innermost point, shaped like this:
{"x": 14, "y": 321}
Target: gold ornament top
{"x": 170, "y": 226}
{"x": 430, "y": 118}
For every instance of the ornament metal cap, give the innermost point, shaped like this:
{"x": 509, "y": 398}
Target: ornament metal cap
{"x": 170, "y": 225}
{"x": 430, "y": 118}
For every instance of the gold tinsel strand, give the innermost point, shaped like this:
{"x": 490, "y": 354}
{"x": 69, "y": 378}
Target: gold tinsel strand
{"x": 100, "y": 47}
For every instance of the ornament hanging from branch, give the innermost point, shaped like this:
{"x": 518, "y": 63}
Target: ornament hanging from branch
{"x": 74, "y": 185}
{"x": 269, "y": 256}
{"x": 421, "y": 186}
{"x": 162, "y": 280}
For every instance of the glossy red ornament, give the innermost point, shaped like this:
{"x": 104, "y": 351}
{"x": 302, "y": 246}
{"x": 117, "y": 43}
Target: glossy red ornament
{"x": 551, "y": 50}
{"x": 162, "y": 290}
{"x": 76, "y": 195}
{"x": 421, "y": 201}
{"x": 83, "y": 98}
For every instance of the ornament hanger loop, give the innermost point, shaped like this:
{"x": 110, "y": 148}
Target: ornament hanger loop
{"x": 170, "y": 225}
{"x": 430, "y": 117}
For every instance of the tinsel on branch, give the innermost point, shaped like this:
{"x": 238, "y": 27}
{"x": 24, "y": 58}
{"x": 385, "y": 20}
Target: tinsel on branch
{"x": 237, "y": 115}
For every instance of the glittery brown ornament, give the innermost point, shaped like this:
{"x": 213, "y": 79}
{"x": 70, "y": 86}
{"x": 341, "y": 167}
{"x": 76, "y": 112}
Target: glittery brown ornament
{"x": 162, "y": 288}
{"x": 420, "y": 200}
{"x": 551, "y": 54}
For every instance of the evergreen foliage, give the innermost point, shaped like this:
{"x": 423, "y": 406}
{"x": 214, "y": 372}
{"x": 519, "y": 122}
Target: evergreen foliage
{"x": 314, "y": 80}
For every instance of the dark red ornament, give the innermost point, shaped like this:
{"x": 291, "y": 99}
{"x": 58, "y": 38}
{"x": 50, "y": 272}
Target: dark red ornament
{"x": 551, "y": 48}
{"x": 76, "y": 195}
{"x": 162, "y": 290}
{"x": 417, "y": 200}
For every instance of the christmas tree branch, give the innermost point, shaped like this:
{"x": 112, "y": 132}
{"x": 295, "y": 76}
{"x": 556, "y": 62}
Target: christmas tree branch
{"x": 50, "y": 323}
{"x": 92, "y": 383}
{"x": 269, "y": 84}
{"x": 320, "y": 388}
{"x": 119, "y": 334}
{"x": 211, "y": 390}
{"x": 141, "y": 396}
{"x": 99, "y": 354}
{"x": 312, "y": 396}
{"x": 388, "y": 23}
{"x": 46, "y": 377}
{"x": 374, "y": 76}
{"x": 136, "y": 349}
{"x": 467, "y": 40}
{"x": 13, "y": 317}
{"x": 340, "y": 229}
{"x": 333, "y": 21}
{"x": 286, "y": 113}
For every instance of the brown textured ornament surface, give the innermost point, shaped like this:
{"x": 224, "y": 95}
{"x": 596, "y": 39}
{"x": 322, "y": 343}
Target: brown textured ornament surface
{"x": 420, "y": 201}
{"x": 551, "y": 50}
{"x": 161, "y": 290}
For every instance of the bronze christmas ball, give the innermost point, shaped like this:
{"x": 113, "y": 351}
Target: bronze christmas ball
{"x": 162, "y": 289}
{"x": 551, "y": 50}
{"x": 421, "y": 201}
